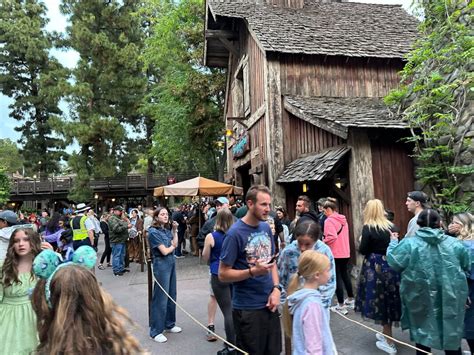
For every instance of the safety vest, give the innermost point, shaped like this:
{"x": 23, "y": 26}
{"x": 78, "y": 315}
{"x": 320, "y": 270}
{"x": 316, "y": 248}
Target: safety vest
{"x": 78, "y": 225}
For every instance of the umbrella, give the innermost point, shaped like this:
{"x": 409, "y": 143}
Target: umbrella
{"x": 198, "y": 186}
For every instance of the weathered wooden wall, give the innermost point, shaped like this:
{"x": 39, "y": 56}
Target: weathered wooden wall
{"x": 392, "y": 171}
{"x": 302, "y": 138}
{"x": 254, "y": 58}
{"x": 338, "y": 76}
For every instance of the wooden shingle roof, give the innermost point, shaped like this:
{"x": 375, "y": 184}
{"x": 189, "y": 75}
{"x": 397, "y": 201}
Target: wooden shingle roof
{"x": 314, "y": 167}
{"x": 338, "y": 114}
{"x": 347, "y": 29}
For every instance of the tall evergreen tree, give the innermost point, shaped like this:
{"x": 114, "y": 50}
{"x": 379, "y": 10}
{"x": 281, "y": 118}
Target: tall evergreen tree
{"x": 109, "y": 86}
{"x": 34, "y": 80}
{"x": 186, "y": 98}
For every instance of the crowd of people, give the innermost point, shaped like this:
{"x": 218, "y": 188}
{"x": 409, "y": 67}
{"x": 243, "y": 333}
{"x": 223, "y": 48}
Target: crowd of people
{"x": 261, "y": 265}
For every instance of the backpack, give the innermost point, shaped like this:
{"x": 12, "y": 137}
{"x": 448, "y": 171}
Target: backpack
{"x": 132, "y": 233}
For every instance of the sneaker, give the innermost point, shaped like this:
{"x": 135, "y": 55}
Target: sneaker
{"x": 179, "y": 256}
{"x": 118, "y": 273}
{"x": 349, "y": 304}
{"x": 126, "y": 270}
{"x": 380, "y": 337}
{"x": 109, "y": 265}
{"x": 175, "y": 329}
{"x": 209, "y": 335}
{"x": 225, "y": 351}
{"x": 101, "y": 267}
{"x": 339, "y": 309}
{"x": 160, "y": 338}
{"x": 388, "y": 348}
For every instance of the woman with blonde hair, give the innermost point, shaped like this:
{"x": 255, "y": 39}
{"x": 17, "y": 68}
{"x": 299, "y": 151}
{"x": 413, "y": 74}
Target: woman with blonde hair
{"x": 378, "y": 296}
{"x": 462, "y": 226}
{"x": 75, "y": 316}
{"x": 222, "y": 291}
{"x": 305, "y": 318}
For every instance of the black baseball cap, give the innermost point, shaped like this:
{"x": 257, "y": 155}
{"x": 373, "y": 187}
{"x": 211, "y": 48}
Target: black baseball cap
{"x": 419, "y": 196}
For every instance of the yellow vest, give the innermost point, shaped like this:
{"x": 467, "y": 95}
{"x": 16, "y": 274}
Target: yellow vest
{"x": 81, "y": 232}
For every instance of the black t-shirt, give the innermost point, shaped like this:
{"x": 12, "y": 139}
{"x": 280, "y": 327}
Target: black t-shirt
{"x": 374, "y": 240}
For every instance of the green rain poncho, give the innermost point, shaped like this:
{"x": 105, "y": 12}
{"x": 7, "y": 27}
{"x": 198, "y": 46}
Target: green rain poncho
{"x": 433, "y": 287}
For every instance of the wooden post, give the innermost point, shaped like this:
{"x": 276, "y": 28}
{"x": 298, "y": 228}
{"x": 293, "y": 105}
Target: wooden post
{"x": 150, "y": 289}
{"x": 274, "y": 130}
{"x": 361, "y": 178}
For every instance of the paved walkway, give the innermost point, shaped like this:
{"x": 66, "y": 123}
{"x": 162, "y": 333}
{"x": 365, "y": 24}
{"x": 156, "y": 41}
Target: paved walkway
{"x": 130, "y": 291}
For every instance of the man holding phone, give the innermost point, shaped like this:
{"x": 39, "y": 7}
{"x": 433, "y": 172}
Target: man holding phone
{"x": 247, "y": 260}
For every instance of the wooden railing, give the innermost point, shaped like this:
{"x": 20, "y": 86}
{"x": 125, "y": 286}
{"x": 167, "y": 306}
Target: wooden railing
{"x": 125, "y": 183}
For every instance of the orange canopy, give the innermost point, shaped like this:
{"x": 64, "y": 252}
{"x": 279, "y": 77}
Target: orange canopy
{"x": 197, "y": 186}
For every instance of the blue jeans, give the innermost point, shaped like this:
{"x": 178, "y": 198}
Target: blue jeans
{"x": 118, "y": 257}
{"x": 163, "y": 311}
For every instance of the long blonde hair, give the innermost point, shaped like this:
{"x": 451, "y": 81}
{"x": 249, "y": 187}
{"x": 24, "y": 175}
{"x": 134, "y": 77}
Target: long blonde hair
{"x": 466, "y": 220}
{"x": 83, "y": 319}
{"x": 309, "y": 263}
{"x": 374, "y": 215}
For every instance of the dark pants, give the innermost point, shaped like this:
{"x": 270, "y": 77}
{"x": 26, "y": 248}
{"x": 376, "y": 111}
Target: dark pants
{"x": 258, "y": 331}
{"x": 107, "y": 250}
{"x": 79, "y": 243}
{"x": 181, "y": 233}
{"x": 96, "y": 241}
{"x": 223, "y": 294}
{"x": 342, "y": 280}
{"x": 447, "y": 352}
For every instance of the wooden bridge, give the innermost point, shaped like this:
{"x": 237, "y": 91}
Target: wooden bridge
{"x": 132, "y": 185}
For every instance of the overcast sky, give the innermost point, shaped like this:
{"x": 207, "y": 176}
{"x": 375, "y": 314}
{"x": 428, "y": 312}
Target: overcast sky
{"x": 69, "y": 58}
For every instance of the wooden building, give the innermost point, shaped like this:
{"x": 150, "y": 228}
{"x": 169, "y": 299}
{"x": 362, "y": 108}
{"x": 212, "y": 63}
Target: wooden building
{"x": 304, "y": 108}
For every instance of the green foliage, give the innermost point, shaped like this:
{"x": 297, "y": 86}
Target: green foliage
{"x": 10, "y": 157}
{"x": 34, "y": 80}
{"x": 108, "y": 89}
{"x": 435, "y": 90}
{"x": 186, "y": 98}
{"x": 4, "y": 186}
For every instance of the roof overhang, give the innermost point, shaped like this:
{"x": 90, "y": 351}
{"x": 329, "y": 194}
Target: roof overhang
{"x": 338, "y": 114}
{"x": 314, "y": 167}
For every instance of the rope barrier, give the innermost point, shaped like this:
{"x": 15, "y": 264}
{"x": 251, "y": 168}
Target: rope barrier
{"x": 244, "y": 352}
{"x": 191, "y": 316}
{"x": 386, "y": 336}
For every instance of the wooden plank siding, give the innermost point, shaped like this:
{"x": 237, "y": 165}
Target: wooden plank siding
{"x": 307, "y": 75}
{"x": 392, "y": 171}
{"x": 256, "y": 75}
{"x": 302, "y": 138}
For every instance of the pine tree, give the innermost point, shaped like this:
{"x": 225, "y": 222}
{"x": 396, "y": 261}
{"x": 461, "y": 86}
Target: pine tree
{"x": 109, "y": 86}
{"x": 35, "y": 81}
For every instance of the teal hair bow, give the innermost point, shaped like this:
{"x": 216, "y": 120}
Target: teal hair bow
{"x": 47, "y": 263}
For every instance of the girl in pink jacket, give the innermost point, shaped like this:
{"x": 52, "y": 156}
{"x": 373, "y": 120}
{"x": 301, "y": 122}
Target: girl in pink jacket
{"x": 336, "y": 236}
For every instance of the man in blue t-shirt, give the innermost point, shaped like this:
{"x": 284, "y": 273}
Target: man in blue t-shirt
{"x": 247, "y": 260}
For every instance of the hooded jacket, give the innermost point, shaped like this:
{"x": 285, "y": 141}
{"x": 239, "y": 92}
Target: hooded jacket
{"x": 311, "y": 331}
{"x": 433, "y": 287}
{"x": 288, "y": 266}
{"x": 336, "y": 235}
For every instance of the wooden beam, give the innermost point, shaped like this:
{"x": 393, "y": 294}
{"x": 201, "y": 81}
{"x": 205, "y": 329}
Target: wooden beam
{"x": 221, "y": 34}
{"x": 230, "y": 47}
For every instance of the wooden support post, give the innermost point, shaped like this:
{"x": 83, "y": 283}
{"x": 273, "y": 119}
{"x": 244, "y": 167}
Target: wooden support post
{"x": 274, "y": 131}
{"x": 361, "y": 178}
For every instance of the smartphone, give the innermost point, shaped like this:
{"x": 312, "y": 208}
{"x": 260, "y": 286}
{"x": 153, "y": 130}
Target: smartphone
{"x": 273, "y": 259}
